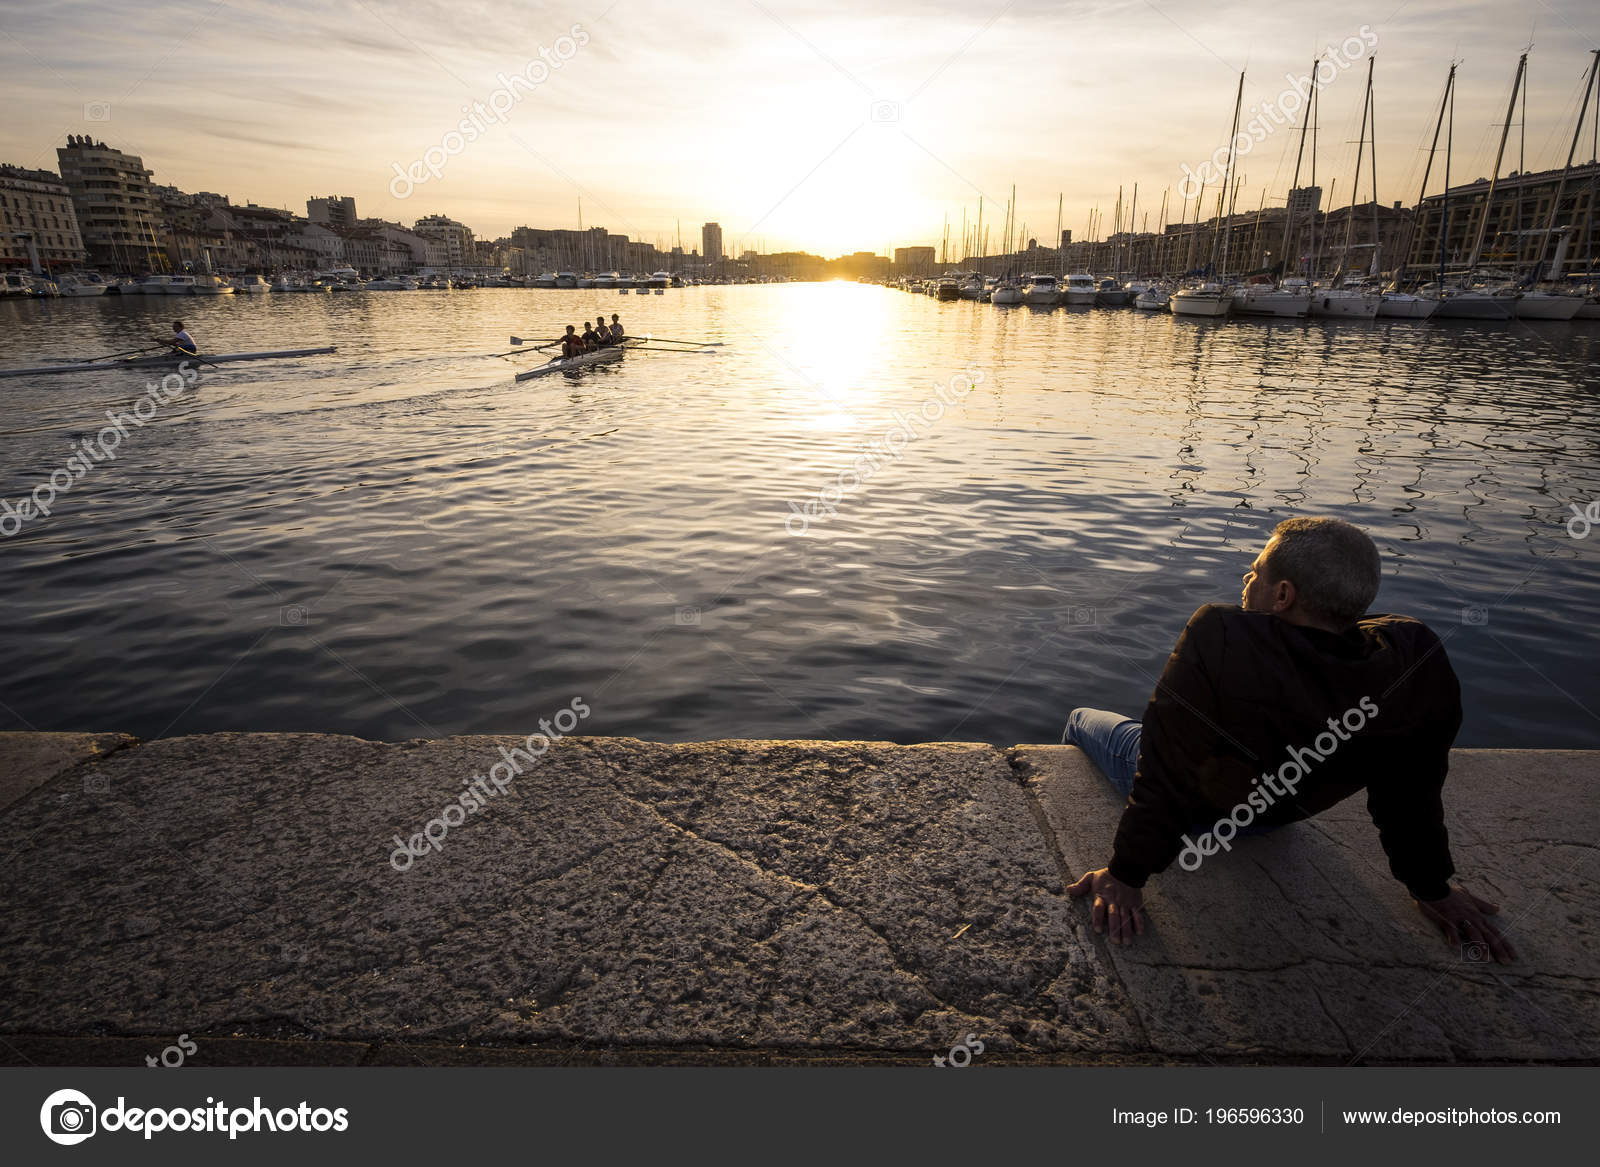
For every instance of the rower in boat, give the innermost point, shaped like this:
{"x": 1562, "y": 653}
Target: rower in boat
{"x": 572, "y": 343}
{"x": 617, "y": 334}
{"x": 591, "y": 339}
{"x": 601, "y": 332}
{"x": 181, "y": 341}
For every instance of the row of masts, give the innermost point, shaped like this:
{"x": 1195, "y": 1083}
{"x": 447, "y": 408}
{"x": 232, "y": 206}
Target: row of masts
{"x": 1178, "y": 255}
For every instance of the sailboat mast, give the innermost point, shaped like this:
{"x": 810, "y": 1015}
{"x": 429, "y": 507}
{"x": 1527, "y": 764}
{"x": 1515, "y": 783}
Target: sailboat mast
{"x": 1013, "y": 216}
{"x": 1561, "y": 186}
{"x": 1372, "y": 106}
{"x": 1288, "y": 217}
{"x": 1233, "y": 137}
{"x": 1060, "y": 256}
{"x": 1505, "y": 132}
{"x": 982, "y": 239}
{"x": 1316, "y": 124}
{"x": 1355, "y": 186}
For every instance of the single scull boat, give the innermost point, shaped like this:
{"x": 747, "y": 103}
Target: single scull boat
{"x": 173, "y": 358}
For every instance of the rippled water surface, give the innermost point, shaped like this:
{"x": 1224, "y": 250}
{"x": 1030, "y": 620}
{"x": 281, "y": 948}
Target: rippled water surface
{"x": 400, "y": 541}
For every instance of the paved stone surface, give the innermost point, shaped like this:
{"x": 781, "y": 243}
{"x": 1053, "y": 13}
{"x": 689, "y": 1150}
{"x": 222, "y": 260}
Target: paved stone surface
{"x": 762, "y": 902}
{"x": 1300, "y": 945}
{"x": 737, "y": 894}
{"x": 29, "y": 760}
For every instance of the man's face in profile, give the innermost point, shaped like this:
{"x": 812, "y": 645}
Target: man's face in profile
{"x": 1257, "y": 594}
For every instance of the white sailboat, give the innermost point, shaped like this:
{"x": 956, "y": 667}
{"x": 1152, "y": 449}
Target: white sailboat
{"x": 1335, "y": 299}
{"x": 1006, "y": 293}
{"x": 1211, "y": 299}
{"x": 1291, "y": 298}
{"x": 1467, "y": 300}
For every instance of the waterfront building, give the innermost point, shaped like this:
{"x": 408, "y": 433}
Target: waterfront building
{"x": 913, "y": 261}
{"x": 36, "y": 205}
{"x": 455, "y": 239}
{"x": 1518, "y": 224}
{"x": 333, "y": 211}
{"x": 711, "y": 242}
{"x": 420, "y": 251}
{"x": 190, "y": 236}
{"x": 114, "y": 203}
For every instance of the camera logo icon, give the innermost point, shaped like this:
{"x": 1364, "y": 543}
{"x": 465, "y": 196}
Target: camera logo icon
{"x": 1476, "y": 616}
{"x": 1082, "y": 615}
{"x": 97, "y": 111}
{"x": 293, "y": 616}
{"x": 886, "y": 111}
{"x": 1475, "y": 952}
{"x": 687, "y": 617}
{"x": 68, "y": 1117}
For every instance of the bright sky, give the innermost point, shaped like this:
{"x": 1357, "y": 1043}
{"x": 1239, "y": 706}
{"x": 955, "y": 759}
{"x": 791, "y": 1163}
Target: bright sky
{"x": 825, "y": 125}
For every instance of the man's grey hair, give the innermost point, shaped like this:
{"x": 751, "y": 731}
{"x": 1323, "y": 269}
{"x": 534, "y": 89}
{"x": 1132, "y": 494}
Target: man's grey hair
{"x": 1333, "y": 565}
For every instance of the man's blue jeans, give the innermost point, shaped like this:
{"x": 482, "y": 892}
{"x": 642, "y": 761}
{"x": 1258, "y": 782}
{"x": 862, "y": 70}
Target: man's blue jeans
{"x": 1110, "y": 740}
{"x": 1112, "y": 743}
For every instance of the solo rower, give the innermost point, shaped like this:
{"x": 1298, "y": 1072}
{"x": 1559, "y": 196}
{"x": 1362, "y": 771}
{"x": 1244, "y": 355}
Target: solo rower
{"x": 181, "y": 340}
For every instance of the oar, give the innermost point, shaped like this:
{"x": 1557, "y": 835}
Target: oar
{"x": 108, "y": 356}
{"x": 706, "y": 343}
{"x": 683, "y": 345}
{"x": 173, "y": 345}
{"x": 537, "y": 347}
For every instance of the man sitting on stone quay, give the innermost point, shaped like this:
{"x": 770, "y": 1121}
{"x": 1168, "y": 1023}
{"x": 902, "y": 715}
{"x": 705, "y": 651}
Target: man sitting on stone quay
{"x": 1276, "y": 710}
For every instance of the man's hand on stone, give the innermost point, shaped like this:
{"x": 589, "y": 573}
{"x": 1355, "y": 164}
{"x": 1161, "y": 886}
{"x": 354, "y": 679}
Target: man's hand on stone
{"x": 1463, "y": 919}
{"x": 1117, "y": 906}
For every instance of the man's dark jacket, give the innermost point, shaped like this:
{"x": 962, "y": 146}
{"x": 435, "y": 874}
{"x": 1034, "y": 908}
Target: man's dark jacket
{"x": 1246, "y": 692}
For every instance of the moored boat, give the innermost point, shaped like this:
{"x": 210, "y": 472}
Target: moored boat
{"x": 251, "y": 286}
{"x": 74, "y": 283}
{"x": 206, "y": 284}
{"x": 1110, "y": 294}
{"x": 1042, "y": 291}
{"x": 1407, "y": 306}
{"x": 1208, "y": 299}
{"x": 1152, "y": 298}
{"x": 1473, "y": 304}
{"x": 1266, "y": 299}
{"x": 1547, "y": 306}
{"x": 1006, "y": 293}
{"x": 1347, "y": 303}
{"x": 1079, "y": 290}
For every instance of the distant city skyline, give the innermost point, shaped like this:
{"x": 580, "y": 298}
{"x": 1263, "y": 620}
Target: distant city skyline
{"x": 816, "y": 127}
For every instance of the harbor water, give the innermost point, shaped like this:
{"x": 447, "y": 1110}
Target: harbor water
{"x": 869, "y": 515}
